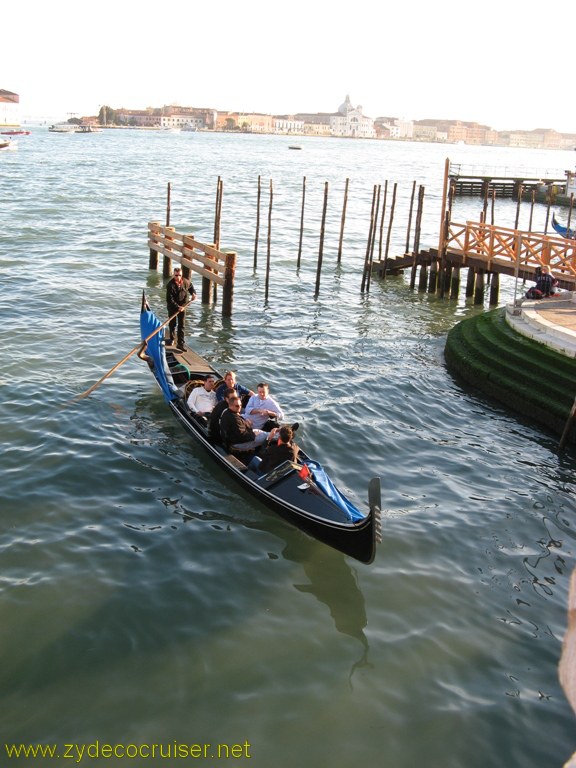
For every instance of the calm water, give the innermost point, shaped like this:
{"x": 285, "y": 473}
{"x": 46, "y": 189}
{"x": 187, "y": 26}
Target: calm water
{"x": 143, "y": 600}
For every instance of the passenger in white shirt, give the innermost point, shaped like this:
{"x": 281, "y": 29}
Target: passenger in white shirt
{"x": 203, "y": 398}
{"x": 262, "y": 409}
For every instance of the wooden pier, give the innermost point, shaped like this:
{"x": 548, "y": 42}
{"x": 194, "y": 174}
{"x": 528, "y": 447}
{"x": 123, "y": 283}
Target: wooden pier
{"x": 474, "y": 182}
{"x": 486, "y": 250}
{"x": 215, "y": 267}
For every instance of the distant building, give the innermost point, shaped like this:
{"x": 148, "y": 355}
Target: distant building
{"x": 288, "y": 124}
{"x": 350, "y": 121}
{"x": 9, "y": 109}
{"x": 315, "y": 124}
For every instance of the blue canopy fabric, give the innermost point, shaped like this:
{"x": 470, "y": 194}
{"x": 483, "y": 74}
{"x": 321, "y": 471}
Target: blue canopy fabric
{"x": 327, "y": 486}
{"x": 155, "y": 349}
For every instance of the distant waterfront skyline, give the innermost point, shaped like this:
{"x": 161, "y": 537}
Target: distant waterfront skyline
{"x": 278, "y": 60}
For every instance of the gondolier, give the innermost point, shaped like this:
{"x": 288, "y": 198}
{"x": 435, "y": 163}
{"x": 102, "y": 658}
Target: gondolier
{"x": 177, "y": 291}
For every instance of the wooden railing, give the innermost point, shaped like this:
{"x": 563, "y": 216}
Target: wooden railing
{"x": 520, "y": 250}
{"x": 214, "y": 266}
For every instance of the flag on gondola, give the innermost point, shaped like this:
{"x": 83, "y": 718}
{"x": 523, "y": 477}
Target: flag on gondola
{"x": 304, "y": 472}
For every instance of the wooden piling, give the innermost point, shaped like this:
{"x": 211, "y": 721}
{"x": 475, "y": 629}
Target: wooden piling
{"x": 369, "y": 243}
{"x": 371, "y": 260}
{"x": 228, "y": 289}
{"x": 302, "y": 222}
{"x": 470, "y": 283}
{"x": 321, "y": 247}
{"x": 269, "y": 244}
{"x": 389, "y": 233}
{"x": 166, "y": 260}
{"x": 570, "y": 209}
{"x": 479, "y": 289}
{"x": 218, "y": 212}
{"x": 517, "y": 220}
{"x": 258, "y": 196}
{"x": 455, "y": 282}
{"x": 168, "y": 195}
{"x": 417, "y": 230}
{"x": 342, "y": 221}
{"x": 381, "y": 235}
{"x": 409, "y": 227}
{"x": 153, "y": 256}
{"x": 494, "y": 289}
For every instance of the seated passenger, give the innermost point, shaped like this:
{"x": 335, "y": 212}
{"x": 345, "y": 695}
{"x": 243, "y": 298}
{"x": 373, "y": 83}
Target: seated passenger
{"x": 203, "y": 398}
{"x": 230, "y": 381}
{"x": 236, "y": 432}
{"x": 282, "y": 450}
{"x": 214, "y": 422}
{"x": 263, "y": 410}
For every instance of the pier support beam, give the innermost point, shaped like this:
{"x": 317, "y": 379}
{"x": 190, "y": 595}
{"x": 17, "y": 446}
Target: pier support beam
{"x": 470, "y": 280}
{"x": 494, "y": 289}
{"x": 455, "y": 282}
{"x": 479, "y": 290}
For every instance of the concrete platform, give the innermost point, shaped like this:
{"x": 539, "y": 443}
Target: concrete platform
{"x": 549, "y": 321}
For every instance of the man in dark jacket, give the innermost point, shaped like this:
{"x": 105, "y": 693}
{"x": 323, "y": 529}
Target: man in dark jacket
{"x": 236, "y": 432}
{"x": 177, "y": 292}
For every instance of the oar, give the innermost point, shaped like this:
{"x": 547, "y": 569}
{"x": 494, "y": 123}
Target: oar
{"x": 126, "y": 357}
{"x": 567, "y": 426}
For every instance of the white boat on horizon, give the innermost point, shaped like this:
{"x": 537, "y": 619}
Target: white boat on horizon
{"x": 63, "y": 128}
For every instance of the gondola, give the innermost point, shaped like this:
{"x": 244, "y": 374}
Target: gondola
{"x": 299, "y": 492}
{"x": 569, "y": 234}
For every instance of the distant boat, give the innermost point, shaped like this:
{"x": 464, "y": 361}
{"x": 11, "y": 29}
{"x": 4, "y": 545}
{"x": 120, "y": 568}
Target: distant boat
{"x": 569, "y": 234}
{"x": 189, "y": 128}
{"x": 8, "y": 144}
{"x": 63, "y": 128}
{"x": 88, "y": 129}
{"x": 295, "y": 146}
{"x": 15, "y": 133}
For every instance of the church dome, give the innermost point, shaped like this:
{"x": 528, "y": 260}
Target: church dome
{"x": 343, "y": 109}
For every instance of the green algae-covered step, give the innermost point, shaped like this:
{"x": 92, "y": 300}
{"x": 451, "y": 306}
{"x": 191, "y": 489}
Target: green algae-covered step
{"x": 527, "y": 377}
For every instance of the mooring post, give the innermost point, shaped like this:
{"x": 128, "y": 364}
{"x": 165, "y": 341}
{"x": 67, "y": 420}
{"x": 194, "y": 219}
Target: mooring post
{"x": 268, "y": 244}
{"x": 443, "y": 280}
{"x": 218, "y": 212}
{"x": 153, "y": 259}
{"x": 321, "y": 248}
{"x": 570, "y": 209}
{"x": 302, "y": 223}
{"x": 257, "y": 224}
{"x": 417, "y": 229}
{"x": 342, "y": 221}
{"x": 167, "y": 261}
{"x": 168, "y": 195}
{"x": 409, "y": 227}
{"x": 228, "y": 288}
{"x": 389, "y": 233}
{"x": 371, "y": 260}
{"x": 532, "y": 210}
{"x": 369, "y": 243}
{"x": 382, "y": 220}
{"x": 517, "y": 220}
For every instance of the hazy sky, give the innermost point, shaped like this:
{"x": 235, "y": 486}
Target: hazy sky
{"x": 499, "y": 63}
